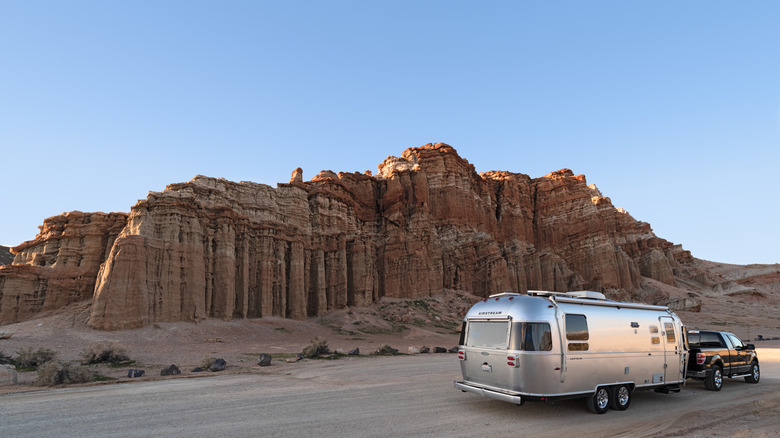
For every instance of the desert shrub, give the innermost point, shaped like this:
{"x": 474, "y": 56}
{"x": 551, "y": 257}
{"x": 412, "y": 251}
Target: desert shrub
{"x": 318, "y": 347}
{"x": 5, "y": 360}
{"x": 104, "y": 352}
{"x": 207, "y": 362}
{"x": 386, "y": 350}
{"x": 57, "y": 373}
{"x": 29, "y": 359}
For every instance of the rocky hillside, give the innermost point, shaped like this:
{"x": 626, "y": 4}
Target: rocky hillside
{"x": 425, "y": 223}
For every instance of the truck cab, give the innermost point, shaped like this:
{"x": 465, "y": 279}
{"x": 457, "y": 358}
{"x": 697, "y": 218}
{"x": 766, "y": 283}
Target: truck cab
{"x": 714, "y": 355}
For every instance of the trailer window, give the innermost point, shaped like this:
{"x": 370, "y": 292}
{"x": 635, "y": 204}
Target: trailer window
{"x": 488, "y": 334}
{"x": 669, "y": 327}
{"x": 462, "y": 340}
{"x": 531, "y": 336}
{"x": 576, "y": 328}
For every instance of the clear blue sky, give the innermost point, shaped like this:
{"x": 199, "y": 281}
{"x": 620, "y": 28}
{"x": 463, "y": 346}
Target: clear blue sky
{"x": 671, "y": 108}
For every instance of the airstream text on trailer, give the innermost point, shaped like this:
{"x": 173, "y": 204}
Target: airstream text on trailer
{"x": 541, "y": 346}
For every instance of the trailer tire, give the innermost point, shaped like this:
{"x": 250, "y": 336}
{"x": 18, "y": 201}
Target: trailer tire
{"x": 620, "y": 398}
{"x": 599, "y": 402}
{"x": 755, "y": 373}
{"x": 714, "y": 382}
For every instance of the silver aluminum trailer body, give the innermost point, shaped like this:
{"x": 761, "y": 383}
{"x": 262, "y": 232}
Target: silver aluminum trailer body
{"x": 544, "y": 345}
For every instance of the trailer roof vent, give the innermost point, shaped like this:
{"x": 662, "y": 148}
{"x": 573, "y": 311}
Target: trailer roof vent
{"x": 587, "y": 294}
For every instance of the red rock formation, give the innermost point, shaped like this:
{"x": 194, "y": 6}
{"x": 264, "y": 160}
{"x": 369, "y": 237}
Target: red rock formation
{"x": 425, "y": 222}
{"x": 60, "y": 266}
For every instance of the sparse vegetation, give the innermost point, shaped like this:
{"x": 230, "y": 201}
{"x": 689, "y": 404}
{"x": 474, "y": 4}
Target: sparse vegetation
{"x": 5, "y": 360}
{"x": 207, "y": 362}
{"x": 57, "y": 373}
{"x": 386, "y": 350}
{"x": 318, "y": 347}
{"x": 29, "y": 360}
{"x": 105, "y": 352}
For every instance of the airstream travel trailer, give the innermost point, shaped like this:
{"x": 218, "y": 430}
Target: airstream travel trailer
{"x": 541, "y": 346}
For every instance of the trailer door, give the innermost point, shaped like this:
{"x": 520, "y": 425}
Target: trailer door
{"x": 673, "y": 354}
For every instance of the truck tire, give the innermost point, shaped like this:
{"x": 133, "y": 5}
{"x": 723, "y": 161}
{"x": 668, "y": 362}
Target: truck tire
{"x": 598, "y": 403}
{"x": 620, "y": 398}
{"x": 714, "y": 382}
{"x": 755, "y": 373}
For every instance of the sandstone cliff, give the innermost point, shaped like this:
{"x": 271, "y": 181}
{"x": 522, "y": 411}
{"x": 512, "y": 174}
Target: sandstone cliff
{"x": 60, "y": 266}
{"x": 424, "y": 223}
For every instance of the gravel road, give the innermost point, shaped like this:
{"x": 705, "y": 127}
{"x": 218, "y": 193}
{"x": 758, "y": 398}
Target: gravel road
{"x": 377, "y": 396}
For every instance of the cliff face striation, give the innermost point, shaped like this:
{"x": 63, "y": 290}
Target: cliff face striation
{"x": 60, "y": 266}
{"x": 424, "y": 223}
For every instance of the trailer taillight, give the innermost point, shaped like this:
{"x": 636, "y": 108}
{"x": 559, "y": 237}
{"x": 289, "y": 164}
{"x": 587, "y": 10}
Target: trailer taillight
{"x": 513, "y": 361}
{"x": 700, "y": 358}
{"x": 461, "y": 355}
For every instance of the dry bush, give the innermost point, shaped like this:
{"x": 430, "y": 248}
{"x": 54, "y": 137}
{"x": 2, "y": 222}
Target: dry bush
{"x": 318, "y": 347}
{"x": 386, "y": 350}
{"x": 27, "y": 358}
{"x": 57, "y": 373}
{"x": 103, "y": 352}
{"x": 207, "y": 362}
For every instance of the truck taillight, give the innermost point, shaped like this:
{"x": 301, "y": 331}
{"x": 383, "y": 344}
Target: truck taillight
{"x": 700, "y": 358}
{"x": 461, "y": 355}
{"x": 513, "y": 361}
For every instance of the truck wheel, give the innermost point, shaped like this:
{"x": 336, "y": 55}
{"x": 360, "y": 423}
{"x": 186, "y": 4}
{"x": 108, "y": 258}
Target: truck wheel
{"x": 755, "y": 373}
{"x": 598, "y": 403}
{"x": 714, "y": 382}
{"x": 621, "y": 397}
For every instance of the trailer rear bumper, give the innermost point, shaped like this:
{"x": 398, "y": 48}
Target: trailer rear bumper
{"x": 485, "y": 392}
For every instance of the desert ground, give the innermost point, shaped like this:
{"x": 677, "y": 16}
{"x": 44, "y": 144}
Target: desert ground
{"x": 365, "y": 395}
{"x": 375, "y": 397}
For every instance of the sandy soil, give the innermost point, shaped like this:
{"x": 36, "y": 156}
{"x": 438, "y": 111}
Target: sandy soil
{"x": 401, "y": 324}
{"x": 398, "y": 396}
{"x": 752, "y": 410}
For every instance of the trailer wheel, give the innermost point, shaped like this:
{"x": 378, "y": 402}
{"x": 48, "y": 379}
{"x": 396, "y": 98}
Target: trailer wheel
{"x": 621, "y": 397}
{"x": 755, "y": 373}
{"x": 598, "y": 403}
{"x": 714, "y": 382}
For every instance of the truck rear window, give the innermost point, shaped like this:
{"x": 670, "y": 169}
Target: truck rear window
{"x": 488, "y": 334}
{"x": 703, "y": 340}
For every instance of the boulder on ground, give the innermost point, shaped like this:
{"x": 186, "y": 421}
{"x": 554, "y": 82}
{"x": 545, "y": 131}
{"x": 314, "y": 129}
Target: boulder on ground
{"x": 425, "y": 350}
{"x": 170, "y": 371}
{"x": 413, "y": 350}
{"x": 440, "y": 350}
{"x": 264, "y": 360}
{"x": 453, "y": 349}
{"x": 354, "y": 352}
{"x": 218, "y": 365}
{"x": 135, "y": 373}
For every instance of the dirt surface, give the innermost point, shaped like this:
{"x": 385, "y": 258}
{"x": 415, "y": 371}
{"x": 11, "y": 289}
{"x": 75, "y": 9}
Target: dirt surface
{"x": 402, "y": 324}
{"x": 409, "y": 395}
{"x": 378, "y": 397}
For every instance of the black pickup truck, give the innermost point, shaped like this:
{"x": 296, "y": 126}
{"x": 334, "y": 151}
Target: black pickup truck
{"x": 713, "y": 355}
